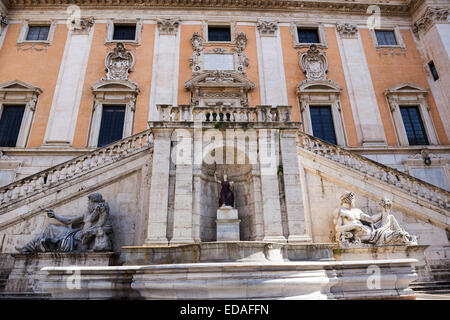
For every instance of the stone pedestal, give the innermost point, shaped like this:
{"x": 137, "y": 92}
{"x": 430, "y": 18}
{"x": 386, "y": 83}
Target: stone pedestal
{"x": 26, "y": 275}
{"x": 227, "y": 224}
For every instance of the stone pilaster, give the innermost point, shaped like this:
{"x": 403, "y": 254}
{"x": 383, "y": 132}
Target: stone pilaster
{"x": 293, "y": 188}
{"x": 183, "y": 208}
{"x": 270, "y": 194}
{"x": 159, "y": 188}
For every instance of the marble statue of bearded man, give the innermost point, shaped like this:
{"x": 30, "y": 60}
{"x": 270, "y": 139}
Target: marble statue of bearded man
{"x": 92, "y": 235}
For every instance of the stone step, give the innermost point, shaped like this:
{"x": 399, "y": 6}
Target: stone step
{"x": 24, "y": 296}
{"x": 431, "y": 287}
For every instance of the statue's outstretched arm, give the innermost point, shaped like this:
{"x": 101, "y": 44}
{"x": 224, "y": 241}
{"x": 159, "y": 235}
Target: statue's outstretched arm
{"x": 63, "y": 220}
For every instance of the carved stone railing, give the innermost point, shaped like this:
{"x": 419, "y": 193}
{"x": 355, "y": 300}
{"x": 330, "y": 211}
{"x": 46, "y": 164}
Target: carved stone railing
{"x": 224, "y": 113}
{"x": 74, "y": 168}
{"x": 409, "y": 184}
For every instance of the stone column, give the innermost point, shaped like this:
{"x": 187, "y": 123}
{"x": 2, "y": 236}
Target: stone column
{"x": 159, "y": 188}
{"x": 270, "y": 194}
{"x": 292, "y": 187}
{"x": 183, "y": 208}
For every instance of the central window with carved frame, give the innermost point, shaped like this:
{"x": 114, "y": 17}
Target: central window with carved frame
{"x": 305, "y": 35}
{"x": 219, "y": 33}
{"x": 127, "y": 31}
{"x": 124, "y": 32}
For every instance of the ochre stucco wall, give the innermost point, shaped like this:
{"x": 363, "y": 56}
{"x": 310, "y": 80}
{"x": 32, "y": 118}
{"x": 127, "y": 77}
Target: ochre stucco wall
{"x": 38, "y": 68}
{"x": 141, "y": 74}
{"x": 390, "y": 70}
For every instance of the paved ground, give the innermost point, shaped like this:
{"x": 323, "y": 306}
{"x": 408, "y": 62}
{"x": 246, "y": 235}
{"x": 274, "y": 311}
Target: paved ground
{"x": 438, "y": 296}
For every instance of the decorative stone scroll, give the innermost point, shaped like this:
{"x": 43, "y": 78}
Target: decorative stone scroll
{"x": 314, "y": 64}
{"x": 347, "y": 30}
{"x": 168, "y": 26}
{"x": 354, "y": 227}
{"x": 429, "y": 17}
{"x": 119, "y": 63}
{"x": 93, "y": 234}
{"x": 82, "y": 25}
{"x": 267, "y": 27}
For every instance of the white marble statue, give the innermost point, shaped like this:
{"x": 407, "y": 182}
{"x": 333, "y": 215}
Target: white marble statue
{"x": 354, "y": 227}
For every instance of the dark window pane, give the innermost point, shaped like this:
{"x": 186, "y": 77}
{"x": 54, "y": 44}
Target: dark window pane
{"x": 322, "y": 123}
{"x": 10, "y": 125}
{"x": 415, "y": 130}
{"x": 219, "y": 34}
{"x": 386, "y": 37}
{"x": 433, "y": 70}
{"x": 111, "y": 127}
{"x": 38, "y": 33}
{"x": 308, "y": 35}
{"x": 122, "y": 32}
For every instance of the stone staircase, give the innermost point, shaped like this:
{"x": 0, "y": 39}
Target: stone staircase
{"x": 22, "y": 192}
{"x": 23, "y": 198}
{"x": 425, "y": 191}
{"x": 423, "y": 200}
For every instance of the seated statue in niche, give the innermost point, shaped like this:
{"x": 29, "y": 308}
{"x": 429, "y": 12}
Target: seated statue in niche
{"x": 226, "y": 197}
{"x": 93, "y": 234}
{"x": 354, "y": 227}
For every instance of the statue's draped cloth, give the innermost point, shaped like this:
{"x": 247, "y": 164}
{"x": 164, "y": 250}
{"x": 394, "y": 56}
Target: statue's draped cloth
{"x": 55, "y": 238}
{"x": 226, "y": 195}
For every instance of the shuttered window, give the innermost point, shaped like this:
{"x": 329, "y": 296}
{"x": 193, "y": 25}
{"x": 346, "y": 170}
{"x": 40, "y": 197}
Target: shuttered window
{"x": 124, "y": 32}
{"x": 415, "y": 130}
{"x": 10, "y": 122}
{"x": 386, "y": 37}
{"x": 322, "y": 123}
{"x": 38, "y": 33}
{"x": 308, "y": 35}
{"x": 111, "y": 126}
{"x": 219, "y": 34}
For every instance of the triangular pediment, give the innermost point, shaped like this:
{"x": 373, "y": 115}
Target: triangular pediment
{"x": 18, "y": 85}
{"x": 406, "y": 87}
{"x": 318, "y": 86}
{"x": 115, "y": 85}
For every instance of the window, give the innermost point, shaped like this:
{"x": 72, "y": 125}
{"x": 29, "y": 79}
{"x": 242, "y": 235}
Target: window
{"x": 111, "y": 127}
{"x": 414, "y": 128}
{"x": 386, "y": 37}
{"x": 308, "y": 35}
{"x": 322, "y": 123}
{"x": 433, "y": 70}
{"x": 10, "y": 123}
{"x": 38, "y": 33}
{"x": 124, "y": 32}
{"x": 222, "y": 33}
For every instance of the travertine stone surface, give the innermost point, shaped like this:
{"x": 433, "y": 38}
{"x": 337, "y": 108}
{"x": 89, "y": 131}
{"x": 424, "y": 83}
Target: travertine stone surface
{"x": 26, "y": 275}
{"x": 227, "y": 224}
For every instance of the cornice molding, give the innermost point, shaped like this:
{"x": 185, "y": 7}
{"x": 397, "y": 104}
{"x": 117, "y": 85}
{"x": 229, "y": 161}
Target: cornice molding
{"x": 396, "y": 7}
{"x": 431, "y": 16}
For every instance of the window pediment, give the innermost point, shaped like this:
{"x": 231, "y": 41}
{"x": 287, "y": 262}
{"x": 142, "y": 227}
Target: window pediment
{"x": 19, "y": 86}
{"x": 407, "y": 88}
{"x": 114, "y": 86}
{"x": 325, "y": 86}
